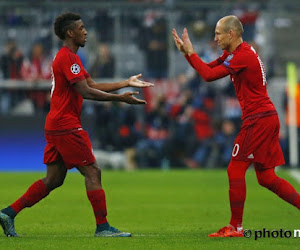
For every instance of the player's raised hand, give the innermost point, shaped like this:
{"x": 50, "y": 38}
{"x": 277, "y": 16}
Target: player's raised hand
{"x": 187, "y": 44}
{"x": 134, "y": 81}
{"x": 178, "y": 41}
{"x": 128, "y": 97}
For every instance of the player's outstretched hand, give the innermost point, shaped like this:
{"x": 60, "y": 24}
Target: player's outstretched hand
{"x": 134, "y": 81}
{"x": 178, "y": 41}
{"x": 187, "y": 44}
{"x": 128, "y": 97}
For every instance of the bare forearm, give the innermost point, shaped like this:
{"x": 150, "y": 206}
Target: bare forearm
{"x": 86, "y": 90}
{"x": 99, "y": 95}
{"x": 109, "y": 87}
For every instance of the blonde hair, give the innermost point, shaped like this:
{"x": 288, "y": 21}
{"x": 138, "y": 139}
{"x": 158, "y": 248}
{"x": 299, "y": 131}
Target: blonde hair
{"x": 233, "y": 23}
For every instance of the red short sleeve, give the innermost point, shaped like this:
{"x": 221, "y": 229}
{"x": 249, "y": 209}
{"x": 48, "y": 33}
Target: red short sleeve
{"x": 85, "y": 73}
{"x": 72, "y": 68}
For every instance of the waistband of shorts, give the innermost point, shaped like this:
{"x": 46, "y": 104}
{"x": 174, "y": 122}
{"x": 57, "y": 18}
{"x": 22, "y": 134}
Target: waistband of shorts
{"x": 62, "y": 132}
{"x": 262, "y": 114}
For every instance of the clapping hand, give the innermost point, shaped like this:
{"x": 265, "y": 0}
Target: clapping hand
{"x": 184, "y": 43}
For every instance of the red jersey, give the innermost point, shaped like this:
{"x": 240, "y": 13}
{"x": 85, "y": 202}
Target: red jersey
{"x": 66, "y": 102}
{"x": 248, "y": 75}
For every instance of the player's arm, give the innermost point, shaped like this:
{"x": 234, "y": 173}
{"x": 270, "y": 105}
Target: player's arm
{"x": 215, "y": 63}
{"x": 212, "y": 64}
{"x": 182, "y": 48}
{"x": 208, "y": 74}
{"x": 133, "y": 81}
{"x": 87, "y": 92}
{"x": 219, "y": 60}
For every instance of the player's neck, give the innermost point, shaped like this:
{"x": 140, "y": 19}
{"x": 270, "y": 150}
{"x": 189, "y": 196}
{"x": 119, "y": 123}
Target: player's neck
{"x": 235, "y": 44}
{"x": 74, "y": 48}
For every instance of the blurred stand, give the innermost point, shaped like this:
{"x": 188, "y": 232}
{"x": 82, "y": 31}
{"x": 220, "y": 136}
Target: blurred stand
{"x": 186, "y": 122}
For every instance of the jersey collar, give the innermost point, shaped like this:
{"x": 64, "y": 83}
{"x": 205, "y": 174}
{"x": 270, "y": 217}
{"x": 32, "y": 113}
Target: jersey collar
{"x": 238, "y": 48}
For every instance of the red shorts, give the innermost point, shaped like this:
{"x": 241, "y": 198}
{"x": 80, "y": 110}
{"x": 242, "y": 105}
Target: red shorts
{"x": 73, "y": 147}
{"x": 258, "y": 142}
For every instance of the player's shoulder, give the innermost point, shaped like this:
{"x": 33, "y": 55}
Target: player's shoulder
{"x": 246, "y": 48}
{"x": 245, "y": 52}
{"x": 66, "y": 54}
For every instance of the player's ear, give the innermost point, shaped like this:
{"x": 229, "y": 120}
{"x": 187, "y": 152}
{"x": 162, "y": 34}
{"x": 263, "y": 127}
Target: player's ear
{"x": 70, "y": 33}
{"x": 231, "y": 34}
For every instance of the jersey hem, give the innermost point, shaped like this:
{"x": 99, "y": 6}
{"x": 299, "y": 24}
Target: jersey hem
{"x": 261, "y": 114}
{"x": 62, "y": 132}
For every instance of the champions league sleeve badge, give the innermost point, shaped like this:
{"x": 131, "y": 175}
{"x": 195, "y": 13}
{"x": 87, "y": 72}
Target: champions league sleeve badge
{"x": 226, "y": 62}
{"x": 75, "y": 69}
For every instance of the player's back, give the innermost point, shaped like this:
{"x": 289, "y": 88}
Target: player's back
{"x": 66, "y": 102}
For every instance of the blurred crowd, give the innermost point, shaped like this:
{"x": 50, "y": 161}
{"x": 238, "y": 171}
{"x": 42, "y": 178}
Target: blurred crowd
{"x": 186, "y": 123}
{"x": 187, "y": 128}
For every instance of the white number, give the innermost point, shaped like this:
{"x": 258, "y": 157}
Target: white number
{"x": 263, "y": 71}
{"x": 235, "y": 150}
{"x": 52, "y": 83}
{"x": 262, "y": 68}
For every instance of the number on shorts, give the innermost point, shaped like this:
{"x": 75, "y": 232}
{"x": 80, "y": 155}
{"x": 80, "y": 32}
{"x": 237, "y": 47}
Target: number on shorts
{"x": 235, "y": 150}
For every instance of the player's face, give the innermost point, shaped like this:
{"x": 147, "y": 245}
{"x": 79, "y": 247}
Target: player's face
{"x": 222, "y": 37}
{"x": 80, "y": 33}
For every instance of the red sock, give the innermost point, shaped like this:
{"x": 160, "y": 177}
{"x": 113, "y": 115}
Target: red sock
{"x": 97, "y": 199}
{"x": 237, "y": 190}
{"x": 237, "y": 196}
{"x": 34, "y": 194}
{"x": 268, "y": 179}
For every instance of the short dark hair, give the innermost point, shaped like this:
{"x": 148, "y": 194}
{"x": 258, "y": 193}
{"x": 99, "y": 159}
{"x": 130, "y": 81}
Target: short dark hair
{"x": 64, "y": 22}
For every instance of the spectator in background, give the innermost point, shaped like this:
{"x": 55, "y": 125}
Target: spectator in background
{"x": 201, "y": 145}
{"x": 106, "y": 136}
{"x": 127, "y": 127}
{"x": 11, "y": 61}
{"x": 38, "y": 66}
{"x": 181, "y": 129}
{"x": 248, "y": 15}
{"x": 150, "y": 149}
{"x": 181, "y": 126}
{"x": 117, "y": 117}
{"x": 104, "y": 64}
{"x": 35, "y": 69}
{"x": 155, "y": 45}
{"x": 224, "y": 140}
{"x": 210, "y": 52}
{"x": 129, "y": 133}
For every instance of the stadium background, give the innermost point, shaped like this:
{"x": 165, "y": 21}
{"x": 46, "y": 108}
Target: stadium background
{"x": 186, "y": 124}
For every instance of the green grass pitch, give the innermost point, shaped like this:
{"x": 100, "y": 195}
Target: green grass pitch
{"x": 174, "y": 209}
